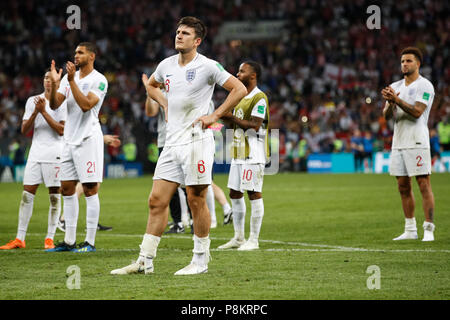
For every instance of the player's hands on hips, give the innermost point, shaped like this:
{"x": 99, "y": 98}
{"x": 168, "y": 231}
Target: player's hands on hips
{"x": 55, "y": 76}
{"x": 206, "y": 120}
{"x": 227, "y": 116}
{"x": 39, "y": 103}
{"x": 71, "y": 69}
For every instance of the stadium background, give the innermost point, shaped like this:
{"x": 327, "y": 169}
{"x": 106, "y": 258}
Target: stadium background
{"x": 323, "y": 67}
{"x": 320, "y": 232}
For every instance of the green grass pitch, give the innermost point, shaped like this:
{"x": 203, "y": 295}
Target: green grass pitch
{"x": 319, "y": 236}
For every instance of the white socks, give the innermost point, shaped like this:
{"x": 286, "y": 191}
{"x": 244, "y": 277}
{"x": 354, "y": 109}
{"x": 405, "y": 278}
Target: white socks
{"x": 226, "y": 208}
{"x": 92, "y": 216}
{"x": 148, "y": 247}
{"x": 53, "y": 214}
{"x": 201, "y": 251}
{"x": 256, "y": 218}
{"x": 211, "y": 203}
{"x": 239, "y": 209}
{"x": 184, "y": 208}
{"x": 25, "y": 213}
{"x": 71, "y": 209}
{"x": 410, "y": 225}
{"x": 257, "y": 213}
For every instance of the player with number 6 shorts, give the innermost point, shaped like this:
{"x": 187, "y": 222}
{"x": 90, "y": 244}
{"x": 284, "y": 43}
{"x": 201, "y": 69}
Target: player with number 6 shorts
{"x": 189, "y": 79}
{"x": 250, "y": 121}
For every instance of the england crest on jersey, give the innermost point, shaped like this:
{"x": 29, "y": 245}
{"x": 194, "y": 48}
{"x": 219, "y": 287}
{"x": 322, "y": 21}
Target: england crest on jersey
{"x": 190, "y": 75}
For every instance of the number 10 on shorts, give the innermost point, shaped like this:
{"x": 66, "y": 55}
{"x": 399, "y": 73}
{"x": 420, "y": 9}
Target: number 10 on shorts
{"x": 247, "y": 175}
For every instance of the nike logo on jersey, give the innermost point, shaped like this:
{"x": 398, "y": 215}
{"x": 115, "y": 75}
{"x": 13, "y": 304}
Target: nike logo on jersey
{"x": 169, "y": 75}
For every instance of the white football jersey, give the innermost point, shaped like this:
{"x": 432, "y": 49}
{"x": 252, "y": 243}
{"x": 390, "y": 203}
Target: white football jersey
{"x": 189, "y": 92}
{"x": 47, "y": 144}
{"x": 81, "y": 125}
{"x": 411, "y": 133}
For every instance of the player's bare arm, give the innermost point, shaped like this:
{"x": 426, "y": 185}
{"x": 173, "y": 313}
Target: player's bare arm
{"x": 155, "y": 93}
{"x": 151, "y": 106}
{"x": 28, "y": 124}
{"x": 56, "y": 98}
{"x": 415, "y": 110}
{"x": 237, "y": 91}
{"x": 55, "y": 125}
{"x": 87, "y": 102}
{"x": 254, "y": 122}
{"x": 388, "y": 111}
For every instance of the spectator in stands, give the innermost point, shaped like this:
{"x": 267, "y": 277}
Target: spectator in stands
{"x": 332, "y": 67}
{"x": 444, "y": 133}
{"x": 368, "y": 142}
{"x": 357, "y": 146}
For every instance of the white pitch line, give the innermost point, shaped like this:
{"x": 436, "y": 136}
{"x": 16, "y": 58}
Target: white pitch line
{"x": 323, "y": 247}
{"x": 259, "y": 250}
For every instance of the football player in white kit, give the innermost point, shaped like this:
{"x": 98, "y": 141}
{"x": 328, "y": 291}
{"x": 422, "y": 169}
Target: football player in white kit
{"x": 43, "y": 163}
{"x": 409, "y": 101}
{"x": 187, "y": 159}
{"x": 82, "y": 157}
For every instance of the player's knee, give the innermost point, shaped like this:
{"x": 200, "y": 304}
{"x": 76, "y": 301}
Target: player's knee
{"x": 196, "y": 203}
{"x": 424, "y": 185}
{"x": 235, "y": 194}
{"x": 155, "y": 202}
{"x": 67, "y": 190}
{"x": 252, "y": 195}
{"x": 405, "y": 190}
{"x": 90, "y": 189}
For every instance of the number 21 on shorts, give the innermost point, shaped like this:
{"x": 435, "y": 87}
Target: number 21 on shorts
{"x": 90, "y": 166}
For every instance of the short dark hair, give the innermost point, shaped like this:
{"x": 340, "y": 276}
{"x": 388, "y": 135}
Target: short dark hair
{"x": 196, "y": 24}
{"x": 415, "y": 51}
{"x": 256, "y": 67}
{"x": 89, "y": 47}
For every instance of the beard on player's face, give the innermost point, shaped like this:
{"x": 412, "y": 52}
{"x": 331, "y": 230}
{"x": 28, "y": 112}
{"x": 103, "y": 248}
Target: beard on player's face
{"x": 409, "y": 71}
{"x": 80, "y": 63}
{"x": 245, "y": 80}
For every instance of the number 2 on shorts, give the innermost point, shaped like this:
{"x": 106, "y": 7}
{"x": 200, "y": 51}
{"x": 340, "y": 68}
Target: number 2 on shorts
{"x": 419, "y": 161}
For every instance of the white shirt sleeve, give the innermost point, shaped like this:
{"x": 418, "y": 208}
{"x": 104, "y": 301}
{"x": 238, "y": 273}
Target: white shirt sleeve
{"x": 62, "y": 112}
{"x": 425, "y": 93}
{"x": 63, "y": 85}
{"x": 219, "y": 74}
{"x": 29, "y": 108}
{"x": 99, "y": 87}
{"x": 159, "y": 74}
{"x": 259, "y": 110}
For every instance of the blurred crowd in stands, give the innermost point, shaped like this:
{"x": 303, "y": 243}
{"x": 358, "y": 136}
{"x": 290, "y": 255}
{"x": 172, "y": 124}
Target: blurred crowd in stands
{"x": 323, "y": 74}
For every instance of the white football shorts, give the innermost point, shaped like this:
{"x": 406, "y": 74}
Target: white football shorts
{"x": 410, "y": 162}
{"x": 246, "y": 177}
{"x": 187, "y": 164}
{"x": 42, "y": 172}
{"x": 85, "y": 161}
